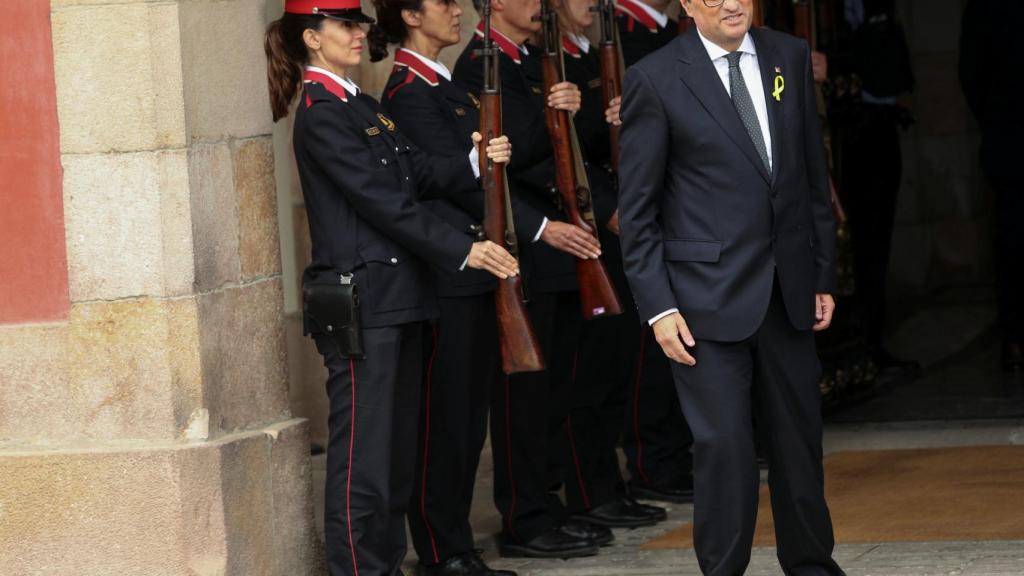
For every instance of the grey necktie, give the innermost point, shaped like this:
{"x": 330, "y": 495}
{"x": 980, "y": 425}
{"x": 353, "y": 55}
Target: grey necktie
{"x": 745, "y": 106}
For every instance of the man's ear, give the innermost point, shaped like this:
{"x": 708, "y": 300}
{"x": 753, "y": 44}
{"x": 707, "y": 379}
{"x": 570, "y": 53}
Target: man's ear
{"x": 412, "y": 18}
{"x": 684, "y": 4}
{"x": 498, "y": 5}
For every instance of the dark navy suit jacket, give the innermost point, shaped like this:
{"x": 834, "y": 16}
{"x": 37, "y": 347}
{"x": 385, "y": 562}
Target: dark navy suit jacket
{"x": 705, "y": 227}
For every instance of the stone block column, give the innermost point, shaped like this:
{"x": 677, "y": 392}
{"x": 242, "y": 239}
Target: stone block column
{"x": 149, "y": 432}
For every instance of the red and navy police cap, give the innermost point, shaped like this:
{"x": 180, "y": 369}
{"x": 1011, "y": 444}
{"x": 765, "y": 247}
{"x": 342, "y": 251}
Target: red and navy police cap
{"x": 348, "y": 10}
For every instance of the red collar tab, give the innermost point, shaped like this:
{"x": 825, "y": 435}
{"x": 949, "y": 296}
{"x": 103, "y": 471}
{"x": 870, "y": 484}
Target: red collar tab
{"x": 632, "y": 9}
{"x": 570, "y": 47}
{"x": 327, "y": 82}
{"x": 507, "y": 46}
{"x": 317, "y": 6}
{"x": 416, "y": 66}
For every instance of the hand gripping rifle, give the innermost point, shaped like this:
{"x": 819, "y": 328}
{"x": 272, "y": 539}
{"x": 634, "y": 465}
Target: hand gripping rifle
{"x": 520, "y": 350}
{"x": 597, "y": 295}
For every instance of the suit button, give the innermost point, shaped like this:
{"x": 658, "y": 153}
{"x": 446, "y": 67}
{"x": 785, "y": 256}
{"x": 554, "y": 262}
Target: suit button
{"x": 396, "y": 148}
{"x": 394, "y": 260}
{"x": 384, "y": 161}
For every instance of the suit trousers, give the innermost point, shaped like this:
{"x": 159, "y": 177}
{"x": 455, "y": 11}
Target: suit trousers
{"x": 462, "y": 368}
{"x": 777, "y": 370}
{"x": 371, "y": 451}
{"x": 525, "y": 408}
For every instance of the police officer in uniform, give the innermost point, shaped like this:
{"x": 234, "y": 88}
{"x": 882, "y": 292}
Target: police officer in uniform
{"x": 524, "y": 404}
{"x": 656, "y": 438}
{"x": 607, "y": 350}
{"x": 462, "y": 350}
{"x": 361, "y": 179}
{"x": 643, "y": 27}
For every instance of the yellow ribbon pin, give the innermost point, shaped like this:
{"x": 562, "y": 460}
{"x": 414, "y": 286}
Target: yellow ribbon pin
{"x": 780, "y": 85}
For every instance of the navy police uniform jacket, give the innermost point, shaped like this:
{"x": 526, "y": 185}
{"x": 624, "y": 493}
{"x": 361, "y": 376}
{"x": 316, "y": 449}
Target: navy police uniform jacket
{"x": 639, "y": 33}
{"x": 361, "y": 179}
{"x": 440, "y": 118}
{"x": 531, "y": 172}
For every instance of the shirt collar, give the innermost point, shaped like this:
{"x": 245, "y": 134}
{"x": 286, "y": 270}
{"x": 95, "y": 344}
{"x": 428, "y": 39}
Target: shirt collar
{"x": 434, "y": 65}
{"x": 510, "y": 48}
{"x": 347, "y": 84}
{"x": 715, "y": 51}
{"x": 580, "y": 41}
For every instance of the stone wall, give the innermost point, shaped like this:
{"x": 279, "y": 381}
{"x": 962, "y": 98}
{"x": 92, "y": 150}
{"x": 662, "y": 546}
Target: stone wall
{"x": 151, "y": 433}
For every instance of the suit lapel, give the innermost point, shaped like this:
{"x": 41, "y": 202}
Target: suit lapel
{"x": 701, "y": 77}
{"x": 768, "y": 59}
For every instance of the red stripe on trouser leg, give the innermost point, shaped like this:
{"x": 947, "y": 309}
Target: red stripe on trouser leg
{"x": 508, "y": 457}
{"x": 426, "y": 453}
{"x": 576, "y": 461}
{"x": 636, "y": 407}
{"x": 351, "y": 446}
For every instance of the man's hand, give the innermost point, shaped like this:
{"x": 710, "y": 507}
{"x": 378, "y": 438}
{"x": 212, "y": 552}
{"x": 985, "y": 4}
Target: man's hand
{"x": 565, "y": 96}
{"x": 572, "y": 239}
{"x": 824, "y": 306}
{"x": 819, "y": 66}
{"x": 611, "y": 115}
{"x": 487, "y": 255}
{"x": 671, "y": 333}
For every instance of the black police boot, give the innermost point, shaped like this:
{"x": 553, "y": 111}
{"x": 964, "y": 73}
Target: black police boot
{"x": 468, "y": 564}
{"x": 681, "y": 493}
{"x": 601, "y": 535}
{"x": 619, "y": 513}
{"x": 553, "y": 543}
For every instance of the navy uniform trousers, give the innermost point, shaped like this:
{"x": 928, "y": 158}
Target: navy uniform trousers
{"x": 462, "y": 367}
{"x": 776, "y": 370}
{"x": 374, "y": 409}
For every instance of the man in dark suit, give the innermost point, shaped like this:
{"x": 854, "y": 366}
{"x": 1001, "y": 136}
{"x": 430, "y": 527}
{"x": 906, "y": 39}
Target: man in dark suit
{"x": 729, "y": 241}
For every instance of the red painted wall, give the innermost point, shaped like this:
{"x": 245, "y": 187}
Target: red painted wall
{"x": 33, "y": 258}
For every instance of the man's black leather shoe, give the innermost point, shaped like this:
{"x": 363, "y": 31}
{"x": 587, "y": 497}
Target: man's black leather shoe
{"x": 656, "y": 512}
{"x": 468, "y": 564}
{"x": 681, "y": 494}
{"x": 601, "y": 535}
{"x": 554, "y": 543}
{"x": 618, "y": 513}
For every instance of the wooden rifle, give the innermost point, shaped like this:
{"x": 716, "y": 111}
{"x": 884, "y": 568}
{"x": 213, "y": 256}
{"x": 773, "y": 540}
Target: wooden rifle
{"x": 597, "y": 295}
{"x": 520, "y": 349}
{"x": 611, "y": 75}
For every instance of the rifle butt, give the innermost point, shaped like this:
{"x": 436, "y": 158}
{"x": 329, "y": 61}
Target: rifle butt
{"x": 597, "y": 294}
{"x": 520, "y": 349}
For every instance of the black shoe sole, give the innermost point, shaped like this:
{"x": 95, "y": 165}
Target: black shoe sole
{"x": 608, "y": 523}
{"x": 648, "y": 494}
{"x": 520, "y": 551}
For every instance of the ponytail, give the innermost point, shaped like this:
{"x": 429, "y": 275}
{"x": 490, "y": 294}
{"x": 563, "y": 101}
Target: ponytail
{"x": 286, "y": 58}
{"x": 390, "y": 27}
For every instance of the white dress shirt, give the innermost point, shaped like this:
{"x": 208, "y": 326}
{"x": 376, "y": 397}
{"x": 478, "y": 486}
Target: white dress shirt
{"x": 347, "y": 84}
{"x": 660, "y": 17}
{"x": 751, "y": 70}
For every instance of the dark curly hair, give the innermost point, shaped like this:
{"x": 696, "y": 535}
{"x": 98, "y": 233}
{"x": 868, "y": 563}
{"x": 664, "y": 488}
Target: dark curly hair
{"x": 390, "y": 28}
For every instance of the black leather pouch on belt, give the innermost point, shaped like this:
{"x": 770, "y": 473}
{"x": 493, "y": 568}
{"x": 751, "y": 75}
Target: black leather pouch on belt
{"x": 334, "y": 310}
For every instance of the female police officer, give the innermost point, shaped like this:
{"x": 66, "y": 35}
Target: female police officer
{"x": 361, "y": 180}
{"x": 439, "y": 117}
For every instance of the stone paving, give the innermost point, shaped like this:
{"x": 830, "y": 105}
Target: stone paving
{"x": 624, "y": 557}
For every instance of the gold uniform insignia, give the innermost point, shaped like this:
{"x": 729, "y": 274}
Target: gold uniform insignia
{"x": 536, "y": 90}
{"x": 594, "y": 84}
{"x": 386, "y": 122}
{"x": 373, "y": 131}
{"x": 460, "y": 112}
